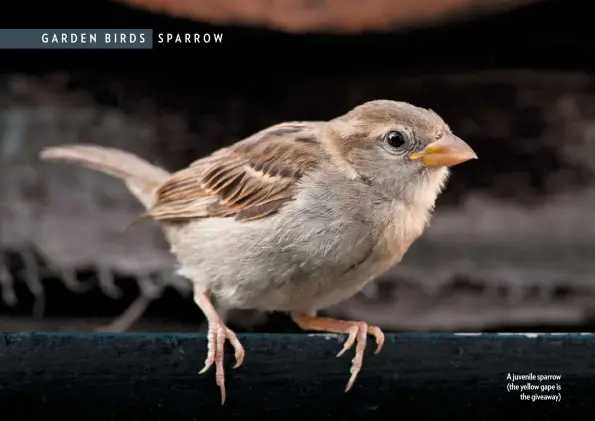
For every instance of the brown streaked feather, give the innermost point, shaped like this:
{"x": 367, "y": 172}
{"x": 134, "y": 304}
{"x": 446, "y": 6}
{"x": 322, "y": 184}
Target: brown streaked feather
{"x": 248, "y": 180}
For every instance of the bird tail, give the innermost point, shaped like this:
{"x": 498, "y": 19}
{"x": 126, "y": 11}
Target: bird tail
{"x": 141, "y": 177}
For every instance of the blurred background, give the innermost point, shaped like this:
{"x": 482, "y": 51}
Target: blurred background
{"x": 512, "y": 242}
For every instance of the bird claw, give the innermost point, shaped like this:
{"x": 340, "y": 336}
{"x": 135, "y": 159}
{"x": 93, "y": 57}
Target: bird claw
{"x": 217, "y": 334}
{"x": 358, "y": 335}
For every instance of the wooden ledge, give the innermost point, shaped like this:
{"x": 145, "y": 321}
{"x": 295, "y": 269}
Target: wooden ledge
{"x": 154, "y": 377}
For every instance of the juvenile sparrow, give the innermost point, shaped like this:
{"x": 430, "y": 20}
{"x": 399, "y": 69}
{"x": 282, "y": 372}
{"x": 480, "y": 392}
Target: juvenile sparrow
{"x": 297, "y": 217}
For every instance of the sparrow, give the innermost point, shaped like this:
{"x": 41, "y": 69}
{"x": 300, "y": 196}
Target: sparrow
{"x": 294, "y": 218}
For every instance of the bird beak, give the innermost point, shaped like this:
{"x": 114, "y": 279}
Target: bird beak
{"x": 446, "y": 152}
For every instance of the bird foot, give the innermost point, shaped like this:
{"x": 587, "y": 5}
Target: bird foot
{"x": 358, "y": 335}
{"x": 217, "y": 334}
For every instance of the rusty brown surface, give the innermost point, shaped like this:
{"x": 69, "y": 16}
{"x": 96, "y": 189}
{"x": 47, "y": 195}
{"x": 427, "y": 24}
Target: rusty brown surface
{"x": 332, "y": 16}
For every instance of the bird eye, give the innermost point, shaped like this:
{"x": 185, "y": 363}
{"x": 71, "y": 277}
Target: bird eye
{"x": 395, "y": 139}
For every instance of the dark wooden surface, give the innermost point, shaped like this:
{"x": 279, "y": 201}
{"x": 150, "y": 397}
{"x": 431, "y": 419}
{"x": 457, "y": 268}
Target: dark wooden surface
{"x": 154, "y": 377}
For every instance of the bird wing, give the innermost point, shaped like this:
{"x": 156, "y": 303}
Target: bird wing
{"x": 248, "y": 180}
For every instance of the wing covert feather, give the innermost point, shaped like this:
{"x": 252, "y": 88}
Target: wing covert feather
{"x": 248, "y": 180}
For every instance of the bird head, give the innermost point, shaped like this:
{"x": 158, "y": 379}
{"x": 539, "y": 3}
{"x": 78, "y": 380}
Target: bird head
{"x": 397, "y": 147}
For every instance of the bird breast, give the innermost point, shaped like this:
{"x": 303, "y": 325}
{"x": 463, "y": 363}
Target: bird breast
{"x": 314, "y": 253}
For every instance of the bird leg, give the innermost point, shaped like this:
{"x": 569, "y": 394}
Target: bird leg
{"x": 357, "y": 331}
{"x": 217, "y": 334}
